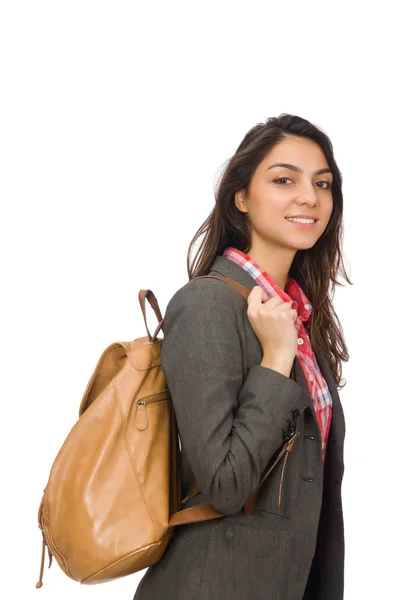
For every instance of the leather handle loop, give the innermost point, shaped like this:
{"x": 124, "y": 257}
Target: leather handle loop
{"x": 142, "y": 296}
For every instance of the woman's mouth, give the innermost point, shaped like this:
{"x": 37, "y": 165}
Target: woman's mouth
{"x": 308, "y": 223}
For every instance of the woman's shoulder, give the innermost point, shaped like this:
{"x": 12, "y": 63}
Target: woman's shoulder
{"x": 203, "y": 295}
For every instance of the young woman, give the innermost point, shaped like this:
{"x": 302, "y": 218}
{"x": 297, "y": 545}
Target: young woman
{"x": 275, "y": 229}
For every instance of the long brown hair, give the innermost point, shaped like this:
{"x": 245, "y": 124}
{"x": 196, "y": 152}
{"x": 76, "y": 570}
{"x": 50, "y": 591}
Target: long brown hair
{"x": 314, "y": 268}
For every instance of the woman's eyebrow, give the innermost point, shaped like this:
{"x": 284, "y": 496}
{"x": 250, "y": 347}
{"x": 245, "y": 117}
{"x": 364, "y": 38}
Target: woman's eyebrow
{"x": 298, "y": 169}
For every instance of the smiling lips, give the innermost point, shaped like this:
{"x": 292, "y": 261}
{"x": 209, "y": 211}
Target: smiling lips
{"x": 301, "y": 216}
{"x": 301, "y": 223}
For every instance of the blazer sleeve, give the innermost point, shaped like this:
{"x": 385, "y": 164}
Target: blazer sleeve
{"x": 229, "y": 426}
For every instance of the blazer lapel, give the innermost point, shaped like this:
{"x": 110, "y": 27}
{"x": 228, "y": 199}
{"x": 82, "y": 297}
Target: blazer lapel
{"x": 338, "y": 425}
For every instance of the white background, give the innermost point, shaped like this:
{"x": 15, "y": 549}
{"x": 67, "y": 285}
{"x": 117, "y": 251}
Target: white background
{"x": 115, "y": 120}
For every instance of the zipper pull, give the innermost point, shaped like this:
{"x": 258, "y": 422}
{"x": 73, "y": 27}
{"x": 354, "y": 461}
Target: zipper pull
{"x": 141, "y": 416}
{"x": 44, "y": 544}
{"x": 40, "y": 581}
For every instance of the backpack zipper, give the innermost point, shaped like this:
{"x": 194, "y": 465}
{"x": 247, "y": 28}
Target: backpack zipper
{"x": 142, "y": 420}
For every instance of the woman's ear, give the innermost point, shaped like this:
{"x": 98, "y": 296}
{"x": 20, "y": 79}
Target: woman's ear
{"x": 240, "y": 201}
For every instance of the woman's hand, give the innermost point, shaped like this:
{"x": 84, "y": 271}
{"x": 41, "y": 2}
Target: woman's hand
{"x": 273, "y": 321}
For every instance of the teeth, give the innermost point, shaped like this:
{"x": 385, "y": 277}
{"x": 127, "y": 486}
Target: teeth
{"x": 298, "y": 220}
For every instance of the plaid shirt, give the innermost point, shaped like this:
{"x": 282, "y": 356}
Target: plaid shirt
{"x": 318, "y": 387}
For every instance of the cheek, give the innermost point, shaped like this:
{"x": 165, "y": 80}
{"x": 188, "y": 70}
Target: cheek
{"x": 265, "y": 213}
{"x": 271, "y": 203}
{"x": 328, "y": 212}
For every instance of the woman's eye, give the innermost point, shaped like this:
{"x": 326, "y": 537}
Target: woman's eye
{"x": 322, "y": 187}
{"x": 281, "y": 179}
{"x": 328, "y": 184}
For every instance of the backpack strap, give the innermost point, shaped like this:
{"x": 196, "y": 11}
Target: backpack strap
{"x": 245, "y": 292}
{"x": 205, "y": 512}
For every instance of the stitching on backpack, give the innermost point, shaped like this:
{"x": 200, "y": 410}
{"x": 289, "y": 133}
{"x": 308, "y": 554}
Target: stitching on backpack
{"x": 118, "y": 561}
{"x": 130, "y": 457}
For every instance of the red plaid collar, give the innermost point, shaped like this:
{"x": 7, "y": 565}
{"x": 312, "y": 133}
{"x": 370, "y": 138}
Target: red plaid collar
{"x": 293, "y": 291}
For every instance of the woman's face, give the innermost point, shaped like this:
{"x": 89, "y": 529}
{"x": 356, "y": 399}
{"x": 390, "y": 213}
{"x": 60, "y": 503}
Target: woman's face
{"x": 278, "y": 192}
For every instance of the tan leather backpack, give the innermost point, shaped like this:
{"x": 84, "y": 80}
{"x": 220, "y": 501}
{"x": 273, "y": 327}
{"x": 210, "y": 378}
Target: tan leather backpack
{"x": 113, "y": 497}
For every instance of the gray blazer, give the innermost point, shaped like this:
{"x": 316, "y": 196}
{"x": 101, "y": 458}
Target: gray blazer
{"x": 231, "y": 414}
